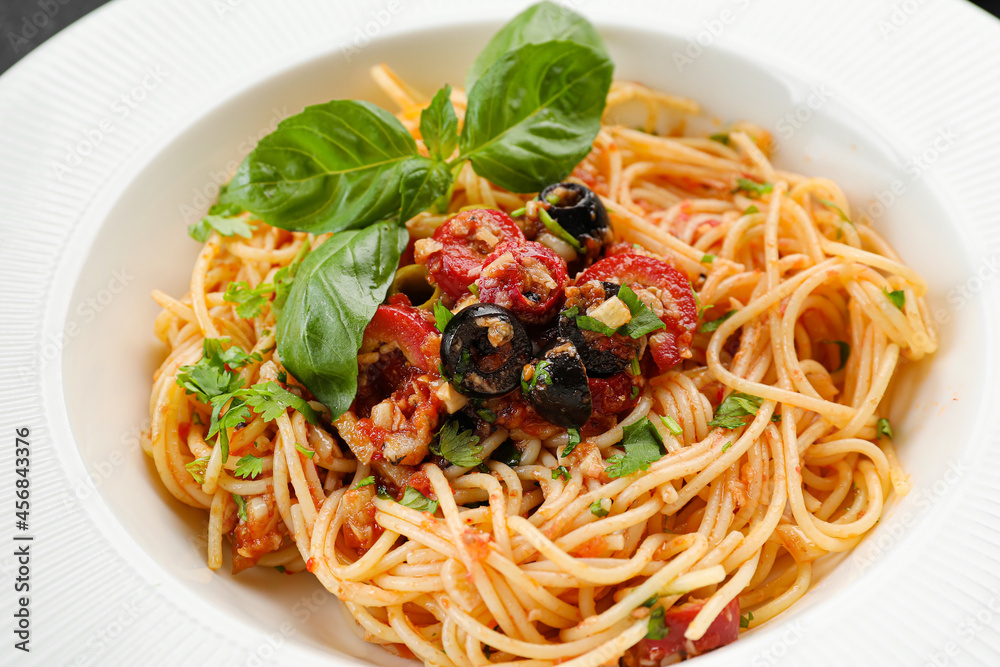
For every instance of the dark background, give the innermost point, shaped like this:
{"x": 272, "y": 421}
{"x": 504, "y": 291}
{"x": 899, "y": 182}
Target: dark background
{"x": 20, "y": 33}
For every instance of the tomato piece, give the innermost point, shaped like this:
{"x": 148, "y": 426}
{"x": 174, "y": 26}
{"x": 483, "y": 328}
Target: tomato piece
{"x": 725, "y": 629}
{"x": 677, "y": 309}
{"x": 411, "y": 329}
{"x": 526, "y": 278}
{"x": 612, "y": 395}
{"x": 459, "y": 248}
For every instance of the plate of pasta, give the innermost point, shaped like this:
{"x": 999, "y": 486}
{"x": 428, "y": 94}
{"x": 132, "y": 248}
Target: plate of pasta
{"x": 538, "y": 335}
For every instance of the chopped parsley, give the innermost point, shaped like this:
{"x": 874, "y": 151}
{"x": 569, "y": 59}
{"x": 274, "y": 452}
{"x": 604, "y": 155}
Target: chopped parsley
{"x": 751, "y": 210}
{"x": 588, "y": 323}
{"x": 643, "y": 446}
{"x": 561, "y": 471}
{"x": 541, "y": 374}
{"x": 284, "y": 277}
{"x": 726, "y": 446}
{"x": 249, "y": 301}
{"x": 226, "y": 225}
{"x": 486, "y": 415}
{"x": 367, "y": 481}
{"x": 657, "y": 628}
{"x": 883, "y": 428}
{"x": 672, "y": 426}
{"x": 597, "y": 509}
{"x": 249, "y": 466}
{"x": 745, "y": 620}
{"x": 197, "y": 468}
{"x": 460, "y": 448}
{"x": 636, "y": 369}
{"x": 442, "y": 316}
{"x": 213, "y": 374}
{"x": 844, "y": 349}
{"x": 897, "y": 297}
{"x": 643, "y": 321}
{"x": 241, "y": 505}
{"x": 731, "y": 412}
{"x": 707, "y": 258}
{"x": 507, "y": 453}
{"x": 753, "y": 187}
{"x": 707, "y": 327}
{"x": 840, "y": 212}
{"x": 557, "y": 230}
{"x": 308, "y": 453}
{"x": 721, "y": 137}
{"x": 635, "y": 392}
{"x": 418, "y": 501}
{"x": 574, "y": 440}
{"x": 270, "y": 400}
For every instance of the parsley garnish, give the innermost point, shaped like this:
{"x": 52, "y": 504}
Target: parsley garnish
{"x": 672, "y": 426}
{"x": 836, "y": 208}
{"x": 460, "y": 448}
{"x": 883, "y": 428}
{"x": 486, "y": 415}
{"x": 635, "y": 392}
{"x": 197, "y": 468}
{"x": 721, "y": 137}
{"x": 707, "y": 258}
{"x": 726, "y": 446}
{"x": 210, "y": 377}
{"x": 241, "y": 506}
{"x": 541, "y": 375}
{"x": 845, "y": 352}
{"x": 588, "y": 323}
{"x": 557, "y": 230}
{"x": 442, "y": 316}
{"x": 249, "y": 466}
{"x": 597, "y": 509}
{"x": 707, "y": 327}
{"x": 561, "y": 471}
{"x": 753, "y": 187}
{"x": 751, "y": 209}
{"x": 507, "y": 453}
{"x": 367, "y": 481}
{"x": 284, "y": 277}
{"x": 574, "y": 440}
{"x": 643, "y": 445}
{"x": 308, "y": 453}
{"x": 731, "y": 412}
{"x": 745, "y": 620}
{"x": 636, "y": 370}
{"x": 270, "y": 400}
{"x": 650, "y": 602}
{"x": 418, "y": 501}
{"x": 657, "y": 628}
{"x": 643, "y": 321}
{"x": 897, "y": 297}
{"x": 250, "y": 301}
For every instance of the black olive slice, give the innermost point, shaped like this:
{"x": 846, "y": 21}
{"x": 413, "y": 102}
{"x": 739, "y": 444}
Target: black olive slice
{"x": 600, "y": 357}
{"x": 483, "y": 349}
{"x": 580, "y": 212}
{"x": 556, "y": 386}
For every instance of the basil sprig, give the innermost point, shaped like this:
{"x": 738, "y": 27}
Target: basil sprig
{"x": 535, "y": 99}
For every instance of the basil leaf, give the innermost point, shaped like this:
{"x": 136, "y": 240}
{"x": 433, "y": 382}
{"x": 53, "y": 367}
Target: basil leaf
{"x": 418, "y": 501}
{"x": 731, "y": 412}
{"x": 226, "y": 226}
{"x": 534, "y": 114}
{"x": 439, "y": 125}
{"x": 708, "y": 327}
{"x": 539, "y": 23}
{"x": 334, "y": 166}
{"x": 424, "y": 180}
{"x": 334, "y": 296}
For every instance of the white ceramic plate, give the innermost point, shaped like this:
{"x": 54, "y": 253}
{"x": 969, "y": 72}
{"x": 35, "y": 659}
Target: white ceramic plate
{"x": 116, "y": 133}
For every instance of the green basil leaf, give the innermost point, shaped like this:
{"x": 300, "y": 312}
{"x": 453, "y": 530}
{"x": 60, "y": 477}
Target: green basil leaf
{"x": 334, "y": 166}
{"x": 439, "y": 125}
{"x": 534, "y": 114}
{"x": 334, "y": 296}
{"x": 539, "y": 23}
{"x": 418, "y": 501}
{"x": 424, "y": 181}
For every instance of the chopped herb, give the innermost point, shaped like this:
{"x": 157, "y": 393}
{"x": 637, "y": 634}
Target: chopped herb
{"x": 367, "y": 481}
{"x": 650, "y": 602}
{"x": 843, "y": 348}
{"x": 732, "y": 411}
{"x": 197, "y": 468}
{"x": 745, "y": 620}
{"x": 507, "y": 453}
{"x": 225, "y": 225}
{"x": 570, "y": 312}
{"x": 707, "y": 258}
{"x": 588, "y": 323}
{"x": 636, "y": 369}
{"x": 883, "y": 428}
{"x": 557, "y": 229}
{"x": 249, "y": 466}
{"x": 726, "y": 446}
{"x": 574, "y": 440}
{"x": 283, "y": 377}
{"x": 196, "y": 419}
{"x": 643, "y": 446}
{"x": 776, "y": 418}
{"x": 241, "y": 506}
{"x": 486, "y": 415}
{"x": 561, "y": 471}
{"x": 897, "y": 297}
{"x": 597, "y": 509}
{"x": 672, "y": 426}
{"x": 270, "y": 400}
{"x": 707, "y": 327}
{"x": 459, "y": 448}
{"x": 250, "y": 301}
{"x": 657, "y": 628}
{"x": 751, "y": 210}
{"x": 643, "y": 321}
{"x": 284, "y": 277}
{"x": 308, "y": 453}
{"x": 541, "y": 374}
{"x": 474, "y": 288}
{"x": 635, "y": 392}
{"x": 517, "y": 213}
{"x": 211, "y": 376}
{"x": 753, "y": 187}
{"x": 418, "y": 501}
{"x": 442, "y": 316}
{"x": 721, "y": 137}
{"x": 280, "y": 568}
{"x": 836, "y": 208}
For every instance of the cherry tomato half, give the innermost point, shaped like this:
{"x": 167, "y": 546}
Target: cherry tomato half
{"x": 456, "y": 253}
{"x": 526, "y": 278}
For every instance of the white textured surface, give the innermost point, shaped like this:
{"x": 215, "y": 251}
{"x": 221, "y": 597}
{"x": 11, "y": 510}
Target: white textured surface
{"x": 91, "y": 604}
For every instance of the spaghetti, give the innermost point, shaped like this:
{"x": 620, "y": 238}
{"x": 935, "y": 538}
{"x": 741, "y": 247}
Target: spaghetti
{"x": 547, "y": 560}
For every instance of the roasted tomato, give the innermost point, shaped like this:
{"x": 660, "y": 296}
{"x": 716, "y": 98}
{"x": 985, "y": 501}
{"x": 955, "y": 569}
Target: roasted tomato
{"x": 526, "y": 278}
{"x": 725, "y": 629}
{"x": 613, "y": 395}
{"x": 664, "y": 289}
{"x": 399, "y": 325}
{"x": 459, "y": 248}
